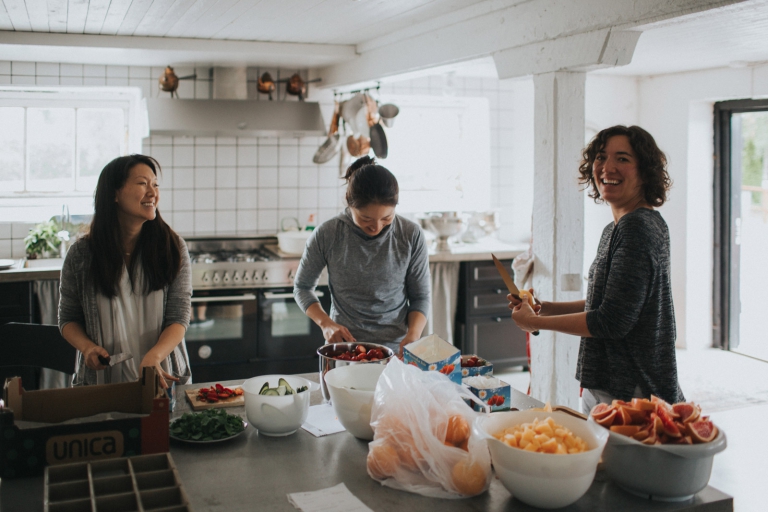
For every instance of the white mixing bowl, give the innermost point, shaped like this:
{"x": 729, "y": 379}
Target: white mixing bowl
{"x": 351, "y": 389}
{"x": 277, "y": 415}
{"x": 543, "y": 480}
{"x": 293, "y": 242}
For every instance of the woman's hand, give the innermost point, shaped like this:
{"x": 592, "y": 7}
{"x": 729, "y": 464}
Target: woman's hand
{"x": 515, "y": 301}
{"x": 150, "y": 360}
{"x": 91, "y": 356}
{"x": 524, "y": 316}
{"x": 335, "y": 333}
{"x": 409, "y": 338}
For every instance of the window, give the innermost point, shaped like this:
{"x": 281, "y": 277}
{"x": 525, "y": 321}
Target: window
{"x": 56, "y": 141}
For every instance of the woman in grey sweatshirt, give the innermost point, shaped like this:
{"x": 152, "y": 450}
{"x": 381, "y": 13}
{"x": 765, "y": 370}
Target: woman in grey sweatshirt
{"x": 627, "y": 323}
{"x": 378, "y": 266}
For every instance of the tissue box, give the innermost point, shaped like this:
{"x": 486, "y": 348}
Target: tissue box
{"x": 434, "y": 354}
{"x": 492, "y": 391}
{"x": 473, "y": 371}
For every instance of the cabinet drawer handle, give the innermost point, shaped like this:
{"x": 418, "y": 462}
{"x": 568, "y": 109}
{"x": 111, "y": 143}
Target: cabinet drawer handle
{"x": 498, "y": 319}
{"x": 499, "y": 291}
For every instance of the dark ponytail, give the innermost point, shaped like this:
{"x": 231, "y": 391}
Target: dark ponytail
{"x": 369, "y": 183}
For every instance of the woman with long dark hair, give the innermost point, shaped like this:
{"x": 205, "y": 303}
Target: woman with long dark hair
{"x": 378, "y": 266}
{"x": 126, "y": 285}
{"x": 627, "y": 323}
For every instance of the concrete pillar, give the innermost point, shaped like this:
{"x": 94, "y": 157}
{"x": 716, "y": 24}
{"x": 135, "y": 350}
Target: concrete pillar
{"x": 558, "y": 226}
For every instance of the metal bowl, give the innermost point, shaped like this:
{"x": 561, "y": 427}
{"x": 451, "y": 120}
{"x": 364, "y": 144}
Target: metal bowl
{"x": 328, "y": 362}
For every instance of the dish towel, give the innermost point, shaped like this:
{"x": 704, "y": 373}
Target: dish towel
{"x": 445, "y": 290}
{"x": 328, "y": 500}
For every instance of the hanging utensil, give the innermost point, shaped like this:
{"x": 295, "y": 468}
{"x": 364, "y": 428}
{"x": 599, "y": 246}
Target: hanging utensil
{"x": 169, "y": 82}
{"x": 388, "y": 113}
{"x": 331, "y": 146}
{"x": 353, "y": 145}
{"x": 350, "y": 109}
{"x": 266, "y": 85}
{"x": 296, "y": 86}
{"x": 377, "y": 135}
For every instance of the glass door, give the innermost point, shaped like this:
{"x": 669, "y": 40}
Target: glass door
{"x": 741, "y": 277}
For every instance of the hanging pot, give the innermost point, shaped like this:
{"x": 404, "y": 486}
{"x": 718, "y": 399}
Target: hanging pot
{"x": 266, "y": 85}
{"x": 296, "y": 86}
{"x": 388, "y": 113}
{"x": 331, "y": 146}
{"x": 377, "y": 136}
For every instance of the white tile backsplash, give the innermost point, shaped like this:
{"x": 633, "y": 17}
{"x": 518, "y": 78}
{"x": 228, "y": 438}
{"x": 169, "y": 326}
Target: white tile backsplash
{"x": 5, "y": 248}
{"x": 288, "y": 177}
{"x": 226, "y": 177}
{"x": 205, "y": 156}
{"x": 226, "y": 199}
{"x": 268, "y": 156}
{"x": 205, "y": 199}
{"x": 268, "y": 177}
{"x": 205, "y": 222}
{"x": 205, "y": 178}
{"x": 23, "y": 68}
{"x": 267, "y": 199}
{"x": 247, "y": 198}
{"x": 247, "y": 177}
{"x": 226, "y": 156}
{"x": 183, "y": 156}
{"x": 288, "y": 198}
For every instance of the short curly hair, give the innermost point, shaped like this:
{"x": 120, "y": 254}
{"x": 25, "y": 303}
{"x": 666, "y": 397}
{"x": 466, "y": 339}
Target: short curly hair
{"x": 651, "y": 163}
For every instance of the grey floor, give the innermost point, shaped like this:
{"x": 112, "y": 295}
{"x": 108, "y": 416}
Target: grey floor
{"x": 733, "y": 390}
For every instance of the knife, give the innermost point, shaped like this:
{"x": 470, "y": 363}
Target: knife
{"x": 509, "y": 282}
{"x": 115, "y": 359}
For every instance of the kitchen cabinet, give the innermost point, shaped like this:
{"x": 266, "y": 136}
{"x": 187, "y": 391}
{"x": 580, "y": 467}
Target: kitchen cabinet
{"x": 16, "y": 302}
{"x": 483, "y": 322}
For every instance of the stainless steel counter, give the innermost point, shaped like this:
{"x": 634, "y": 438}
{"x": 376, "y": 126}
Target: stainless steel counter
{"x": 254, "y": 472}
{"x": 39, "y": 270}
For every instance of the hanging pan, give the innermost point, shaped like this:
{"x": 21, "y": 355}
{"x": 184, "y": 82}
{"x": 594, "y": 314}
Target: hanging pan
{"x": 378, "y": 137}
{"x": 332, "y": 144}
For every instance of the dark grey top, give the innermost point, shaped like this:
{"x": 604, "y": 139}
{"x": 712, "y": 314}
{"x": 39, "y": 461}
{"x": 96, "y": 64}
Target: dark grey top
{"x": 78, "y": 303}
{"x": 630, "y": 313}
{"x": 374, "y": 281}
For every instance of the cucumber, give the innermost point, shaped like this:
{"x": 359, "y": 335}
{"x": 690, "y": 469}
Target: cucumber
{"x": 271, "y": 392}
{"x": 264, "y": 388}
{"x": 281, "y": 390}
{"x": 288, "y": 388}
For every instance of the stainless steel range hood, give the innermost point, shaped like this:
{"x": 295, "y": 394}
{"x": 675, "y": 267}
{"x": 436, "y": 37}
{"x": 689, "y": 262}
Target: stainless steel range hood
{"x": 235, "y": 118}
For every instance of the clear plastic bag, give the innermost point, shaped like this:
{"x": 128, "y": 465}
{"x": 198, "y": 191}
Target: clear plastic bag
{"x": 422, "y": 442}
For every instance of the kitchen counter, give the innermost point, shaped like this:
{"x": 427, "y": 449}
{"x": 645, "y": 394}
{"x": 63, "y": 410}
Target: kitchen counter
{"x": 257, "y": 472}
{"x": 36, "y": 270}
{"x": 481, "y": 250}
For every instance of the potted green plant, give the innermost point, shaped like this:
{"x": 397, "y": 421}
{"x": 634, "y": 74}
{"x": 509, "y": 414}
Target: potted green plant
{"x": 42, "y": 240}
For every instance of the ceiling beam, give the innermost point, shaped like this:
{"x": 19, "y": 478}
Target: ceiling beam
{"x": 580, "y": 52}
{"x": 489, "y": 32}
{"x": 161, "y": 51}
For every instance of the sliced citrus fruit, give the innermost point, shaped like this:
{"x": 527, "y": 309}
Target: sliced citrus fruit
{"x": 607, "y": 421}
{"x": 702, "y": 431}
{"x": 626, "y": 430}
{"x": 601, "y": 411}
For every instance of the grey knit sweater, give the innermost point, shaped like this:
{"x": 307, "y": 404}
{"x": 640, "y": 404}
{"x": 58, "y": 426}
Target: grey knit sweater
{"x": 374, "y": 281}
{"x": 630, "y": 313}
{"x": 78, "y": 303}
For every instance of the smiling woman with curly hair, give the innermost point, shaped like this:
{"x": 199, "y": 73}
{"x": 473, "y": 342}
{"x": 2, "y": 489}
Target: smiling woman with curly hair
{"x": 627, "y": 322}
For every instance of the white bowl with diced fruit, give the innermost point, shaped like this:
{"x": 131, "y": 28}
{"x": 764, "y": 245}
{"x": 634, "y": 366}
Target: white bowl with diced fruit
{"x": 277, "y": 405}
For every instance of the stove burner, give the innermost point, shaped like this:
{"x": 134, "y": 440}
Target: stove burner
{"x": 242, "y": 256}
{"x": 203, "y": 257}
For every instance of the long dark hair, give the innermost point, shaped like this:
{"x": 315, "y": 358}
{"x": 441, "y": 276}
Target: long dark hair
{"x": 369, "y": 183}
{"x": 651, "y": 163}
{"x": 158, "y": 247}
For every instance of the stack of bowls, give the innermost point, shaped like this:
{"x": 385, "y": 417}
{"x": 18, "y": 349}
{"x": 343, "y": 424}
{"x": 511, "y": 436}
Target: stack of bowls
{"x": 351, "y": 389}
{"x": 543, "y": 480}
{"x": 328, "y": 362}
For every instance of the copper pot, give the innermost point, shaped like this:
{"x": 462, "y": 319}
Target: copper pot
{"x": 296, "y": 86}
{"x": 359, "y": 146}
{"x": 168, "y": 81}
{"x": 266, "y": 85}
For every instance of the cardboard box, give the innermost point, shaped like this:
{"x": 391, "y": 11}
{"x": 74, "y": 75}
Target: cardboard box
{"x": 434, "y": 354}
{"x": 474, "y": 371}
{"x": 499, "y": 389}
{"x": 33, "y": 436}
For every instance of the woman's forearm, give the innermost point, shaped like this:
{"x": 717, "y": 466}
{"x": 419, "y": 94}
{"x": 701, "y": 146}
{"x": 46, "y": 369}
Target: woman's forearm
{"x": 75, "y": 335}
{"x": 561, "y": 308}
{"x": 316, "y": 313}
{"x": 416, "y": 323}
{"x": 169, "y": 339}
{"x": 573, "y": 323}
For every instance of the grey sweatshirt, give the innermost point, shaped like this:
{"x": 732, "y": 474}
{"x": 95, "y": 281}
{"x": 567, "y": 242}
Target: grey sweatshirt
{"x": 630, "y": 313}
{"x": 375, "y": 281}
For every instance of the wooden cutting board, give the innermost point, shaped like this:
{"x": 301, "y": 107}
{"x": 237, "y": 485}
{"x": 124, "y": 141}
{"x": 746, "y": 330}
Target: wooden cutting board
{"x": 197, "y": 405}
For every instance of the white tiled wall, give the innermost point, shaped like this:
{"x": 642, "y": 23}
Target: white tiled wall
{"x": 230, "y": 185}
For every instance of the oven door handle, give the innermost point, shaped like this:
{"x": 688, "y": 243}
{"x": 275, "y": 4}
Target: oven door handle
{"x": 271, "y": 295}
{"x": 228, "y": 298}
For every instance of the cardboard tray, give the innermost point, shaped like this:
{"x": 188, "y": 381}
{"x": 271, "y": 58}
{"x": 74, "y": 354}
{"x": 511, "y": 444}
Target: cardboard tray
{"x": 26, "y": 448}
{"x": 141, "y": 483}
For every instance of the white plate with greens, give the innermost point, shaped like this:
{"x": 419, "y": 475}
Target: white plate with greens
{"x": 210, "y": 426}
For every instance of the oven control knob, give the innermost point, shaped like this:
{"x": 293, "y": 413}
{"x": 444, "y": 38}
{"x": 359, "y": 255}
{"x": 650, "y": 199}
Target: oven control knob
{"x": 236, "y": 277}
{"x": 206, "y": 279}
{"x": 204, "y": 352}
{"x": 216, "y": 278}
{"x": 291, "y": 274}
{"x": 256, "y": 276}
{"x": 265, "y": 277}
{"x": 226, "y": 277}
{"x": 246, "y": 277}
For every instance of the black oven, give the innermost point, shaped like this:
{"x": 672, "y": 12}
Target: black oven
{"x": 237, "y": 334}
{"x": 285, "y": 332}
